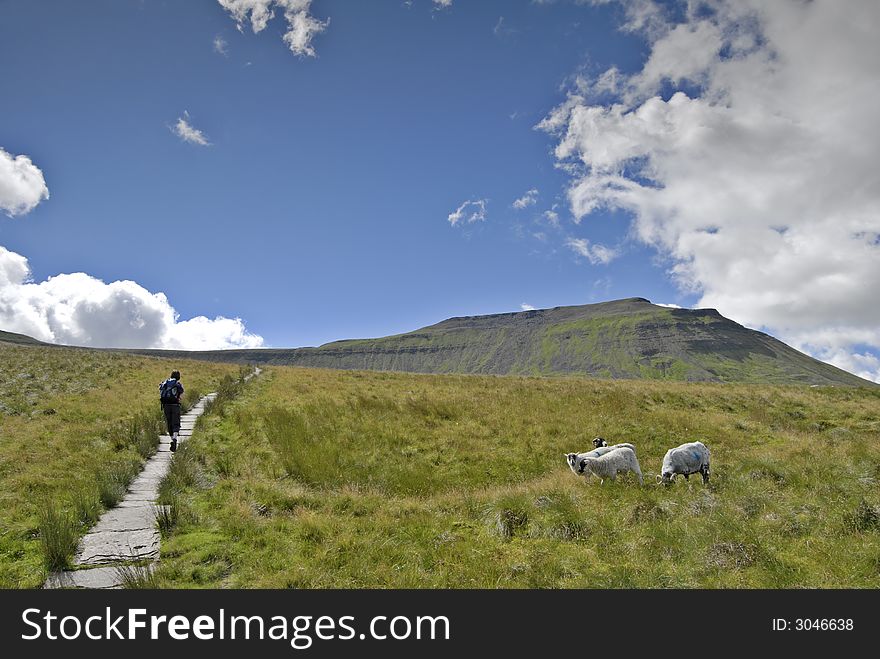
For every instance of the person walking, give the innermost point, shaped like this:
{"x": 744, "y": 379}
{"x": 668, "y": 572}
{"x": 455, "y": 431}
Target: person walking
{"x": 170, "y": 392}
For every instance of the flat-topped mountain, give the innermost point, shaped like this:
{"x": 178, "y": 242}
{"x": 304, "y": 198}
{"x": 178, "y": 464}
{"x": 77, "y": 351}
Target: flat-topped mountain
{"x": 629, "y": 338}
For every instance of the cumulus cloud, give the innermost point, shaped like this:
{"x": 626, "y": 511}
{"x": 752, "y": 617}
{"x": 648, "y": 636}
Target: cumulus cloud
{"x": 22, "y": 185}
{"x": 530, "y": 198}
{"x": 301, "y": 25}
{"x": 78, "y": 309}
{"x": 595, "y": 253}
{"x": 745, "y": 150}
{"x": 526, "y": 307}
{"x": 469, "y": 212}
{"x": 187, "y": 132}
{"x": 442, "y": 4}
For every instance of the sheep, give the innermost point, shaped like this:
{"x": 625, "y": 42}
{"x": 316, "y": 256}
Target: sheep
{"x": 686, "y": 459}
{"x": 617, "y": 460}
{"x": 575, "y": 459}
{"x": 600, "y": 442}
{"x": 575, "y": 464}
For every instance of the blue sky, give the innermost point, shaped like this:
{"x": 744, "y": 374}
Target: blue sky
{"x": 319, "y": 209}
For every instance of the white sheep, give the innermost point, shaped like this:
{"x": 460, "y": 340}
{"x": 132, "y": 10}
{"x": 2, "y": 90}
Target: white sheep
{"x": 601, "y": 443}
{"x": 687, "y": 459}
{"x": 575, "y": 460}
{"x": 619, "y": 459}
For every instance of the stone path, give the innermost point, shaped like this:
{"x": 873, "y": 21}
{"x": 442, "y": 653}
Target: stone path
{"x": 127, "y": 532}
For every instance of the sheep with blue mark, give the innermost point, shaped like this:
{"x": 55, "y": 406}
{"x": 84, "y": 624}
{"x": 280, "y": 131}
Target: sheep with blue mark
{"x": 687, "y": 459}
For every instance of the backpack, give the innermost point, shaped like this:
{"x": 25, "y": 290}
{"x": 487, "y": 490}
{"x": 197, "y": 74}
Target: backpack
{"x": 168, "y": 391}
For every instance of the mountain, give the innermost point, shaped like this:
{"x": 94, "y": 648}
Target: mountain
{"x": 629, "y": 338}
{"x": 20, "y": 339}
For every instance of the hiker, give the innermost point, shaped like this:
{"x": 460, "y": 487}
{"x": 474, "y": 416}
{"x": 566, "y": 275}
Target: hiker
{"x": 170, "y": 392}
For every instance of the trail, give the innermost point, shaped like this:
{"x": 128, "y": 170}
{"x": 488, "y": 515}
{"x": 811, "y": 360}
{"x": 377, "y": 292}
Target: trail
{"x": 128, "y": 533}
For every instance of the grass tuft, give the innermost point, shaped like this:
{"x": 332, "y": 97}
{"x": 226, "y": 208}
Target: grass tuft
{"x": 510, "y": 516}
{"x": 59, "y": 534}
{"x": 183, "y": 472}
{"x": 863, "y": 519}
{"x": 137, "y": 577}
{"x": 168, "y": 514}
{"x": 113, "y": 481}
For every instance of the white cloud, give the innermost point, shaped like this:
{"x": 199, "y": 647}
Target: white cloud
{"x": 668, "y": 306}
{"x": 760, "y": 184}
{"x": 530, "y": 198}
{"x": 301, "y": 25}
{"x": 78, "y": 309}
{"x": 526, "y": 307}
{"x": 187, "y": 132}
{"x": 469, "y": 212}
{"x": 22, "y": 185}
{"x": 220, "y": 45}
{"x": 595, "y": 253}
{"x": 865, "y": 364}
{"x": 552, "y": 217}
{"x": 443, "y": 3}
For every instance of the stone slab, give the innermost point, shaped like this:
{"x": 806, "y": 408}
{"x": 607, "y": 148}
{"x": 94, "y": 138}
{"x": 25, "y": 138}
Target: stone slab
{"x": 118, "y": 546}
{"x": 135, "y": 503}
{"x": 126, "y": 519}
{"x": 97, "y": 577}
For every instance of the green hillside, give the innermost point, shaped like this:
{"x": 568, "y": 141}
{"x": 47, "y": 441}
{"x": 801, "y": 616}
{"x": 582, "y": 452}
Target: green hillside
{"x": 19, "y": 339}
{"x": 623, "y": 339}
{"x": 317, "y": 478}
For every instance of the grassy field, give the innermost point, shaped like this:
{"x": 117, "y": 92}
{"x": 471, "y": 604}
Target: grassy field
{"x": 75, "y": 426}
{"x": 316, "y": 478}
